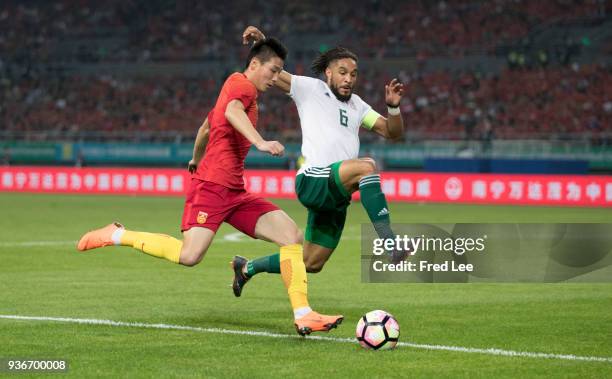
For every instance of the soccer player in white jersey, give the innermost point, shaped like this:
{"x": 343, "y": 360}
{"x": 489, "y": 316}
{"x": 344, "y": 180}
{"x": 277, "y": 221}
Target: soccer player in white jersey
{"x": 330, "y": 117}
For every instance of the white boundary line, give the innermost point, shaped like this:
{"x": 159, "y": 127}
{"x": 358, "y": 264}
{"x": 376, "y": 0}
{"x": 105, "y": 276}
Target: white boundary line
{"x": 489, "y": 351}
{"x": 228, "y": 238}
{"x": 36, "y": 243}
{"x": 225, "y": 239}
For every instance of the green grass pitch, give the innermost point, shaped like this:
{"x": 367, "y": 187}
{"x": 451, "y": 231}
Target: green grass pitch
{"x": 121, "y": 284}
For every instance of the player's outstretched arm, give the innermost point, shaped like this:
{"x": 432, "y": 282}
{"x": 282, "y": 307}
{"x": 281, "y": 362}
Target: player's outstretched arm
{"x": 253, "y": 34}
{"x": 236, "y": 115}
{"x": 392, "y": 126}
{"x": 199, "y": 146}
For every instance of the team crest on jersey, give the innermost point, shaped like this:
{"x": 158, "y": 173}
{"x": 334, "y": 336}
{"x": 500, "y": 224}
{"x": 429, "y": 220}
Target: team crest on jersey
{"x": 202, "y": 216}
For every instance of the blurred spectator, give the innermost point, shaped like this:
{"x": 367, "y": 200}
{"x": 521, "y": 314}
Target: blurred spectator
{"x": 518, "y": 104}
{"x": 534, "y": 98}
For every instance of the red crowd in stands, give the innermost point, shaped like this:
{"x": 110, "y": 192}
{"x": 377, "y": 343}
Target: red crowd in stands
{"x": 162, "y": 30}
{"x": 536, "y": 102}
{"x": 544, "y": 103}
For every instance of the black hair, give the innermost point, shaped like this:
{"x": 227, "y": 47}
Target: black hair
{"x": 323, "y": 61}
{"x": 266, "y": 49}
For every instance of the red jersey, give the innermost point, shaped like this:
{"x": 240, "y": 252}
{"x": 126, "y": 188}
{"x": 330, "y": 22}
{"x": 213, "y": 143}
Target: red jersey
{"x": 223, "y": 161}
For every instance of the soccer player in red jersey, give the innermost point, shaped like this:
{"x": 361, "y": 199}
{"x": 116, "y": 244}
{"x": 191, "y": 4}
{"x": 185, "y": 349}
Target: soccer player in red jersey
{"x": 217, "y": 192}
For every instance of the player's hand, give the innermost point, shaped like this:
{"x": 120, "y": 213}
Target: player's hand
{"x": 393, "y": 93}
{"x": 192, "y": 166}
{"x": 251, "y": 33}
{"x": 274, "y": 148}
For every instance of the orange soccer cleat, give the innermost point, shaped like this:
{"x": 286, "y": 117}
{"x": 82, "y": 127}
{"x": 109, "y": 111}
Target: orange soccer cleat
{"x": 99, "y": 237}
{"x": 315, "y": 322}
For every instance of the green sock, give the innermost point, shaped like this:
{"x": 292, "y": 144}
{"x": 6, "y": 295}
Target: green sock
{"x": 375, "y": 204}
{"x": 269, "y": 264}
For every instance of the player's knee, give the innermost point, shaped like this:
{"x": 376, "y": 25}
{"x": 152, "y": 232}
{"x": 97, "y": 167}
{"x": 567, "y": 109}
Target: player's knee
{"x": 191, "y": 258}
{"x": 368, "y": 167}
{"x": 298, "y": 237}
{"x": 313, "y": 267}
{"x": 292, "y": 237}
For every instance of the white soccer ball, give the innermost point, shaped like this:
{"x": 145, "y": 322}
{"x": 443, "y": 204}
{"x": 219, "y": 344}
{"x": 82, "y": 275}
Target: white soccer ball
{"x": 377, "y": 330}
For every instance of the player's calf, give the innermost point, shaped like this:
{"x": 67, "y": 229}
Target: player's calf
{"x": 375, "y": 204}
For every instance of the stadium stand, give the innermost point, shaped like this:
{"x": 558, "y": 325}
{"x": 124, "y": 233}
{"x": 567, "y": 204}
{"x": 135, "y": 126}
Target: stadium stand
{"x": 148, "y": 70}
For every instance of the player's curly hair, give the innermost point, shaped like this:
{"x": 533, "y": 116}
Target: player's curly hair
{"x": 323, "y": 61}
{"x": 265, "y": 49}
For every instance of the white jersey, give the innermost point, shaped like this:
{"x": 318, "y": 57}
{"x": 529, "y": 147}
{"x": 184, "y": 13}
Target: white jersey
{"x": 330, "y": 127}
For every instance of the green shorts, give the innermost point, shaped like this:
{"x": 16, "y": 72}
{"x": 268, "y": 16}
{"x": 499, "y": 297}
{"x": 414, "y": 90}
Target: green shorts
{"x": 320, "y": 190}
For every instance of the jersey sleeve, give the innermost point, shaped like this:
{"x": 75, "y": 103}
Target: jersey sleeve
{"x": 243, "y": 91}
{"x": 301, "y": 86}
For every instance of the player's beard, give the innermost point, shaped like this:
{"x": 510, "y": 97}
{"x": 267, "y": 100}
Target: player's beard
{"x": 340, "y": 97}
